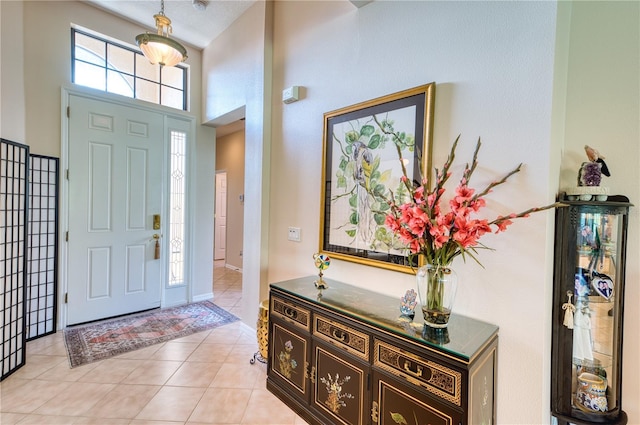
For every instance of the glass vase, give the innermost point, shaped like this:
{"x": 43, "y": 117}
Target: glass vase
{"x": 437, "y": 287}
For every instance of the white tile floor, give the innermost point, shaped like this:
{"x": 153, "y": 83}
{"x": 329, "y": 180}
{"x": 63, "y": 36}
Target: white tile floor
{"x": 205, "y": 378}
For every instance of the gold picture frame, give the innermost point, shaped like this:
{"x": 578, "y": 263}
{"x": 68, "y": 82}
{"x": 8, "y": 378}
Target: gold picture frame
{"x": 360, "y": 155}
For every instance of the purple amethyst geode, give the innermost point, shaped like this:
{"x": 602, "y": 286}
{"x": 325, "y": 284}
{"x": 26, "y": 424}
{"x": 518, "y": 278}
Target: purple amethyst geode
{"x": 590, "y": 174}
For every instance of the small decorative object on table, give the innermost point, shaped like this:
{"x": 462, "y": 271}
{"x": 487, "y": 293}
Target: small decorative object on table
{"x": 322, "y": 262}
{"x": 589, "y": 178}
{"x": 408, "y": 304}
{"x": 415, "y": 216}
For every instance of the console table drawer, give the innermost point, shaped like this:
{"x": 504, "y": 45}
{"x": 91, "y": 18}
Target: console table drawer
{"x": 441, "y": 381}
{"x": 292, "y": 313}
{"x": 342, "y": 335}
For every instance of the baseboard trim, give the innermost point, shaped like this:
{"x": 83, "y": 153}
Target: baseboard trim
{"x": 237, "y": 269}
{"x": 202, "y": 297}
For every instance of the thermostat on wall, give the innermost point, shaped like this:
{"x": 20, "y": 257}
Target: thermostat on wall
{"x": 290, "y": 95}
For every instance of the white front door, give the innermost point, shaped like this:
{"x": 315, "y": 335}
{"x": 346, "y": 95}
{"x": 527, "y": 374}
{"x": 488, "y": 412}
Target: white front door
{"x": 116, "y": 184}
{"x": 220, "y": 234}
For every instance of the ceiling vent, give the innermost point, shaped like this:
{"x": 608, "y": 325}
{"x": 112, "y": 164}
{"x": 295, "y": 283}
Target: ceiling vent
{"x": 200, "y": 5}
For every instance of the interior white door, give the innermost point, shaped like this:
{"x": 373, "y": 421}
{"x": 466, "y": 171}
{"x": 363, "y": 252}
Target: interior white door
{"x": 116, "y": 184}
{"x": 220, "y": 233}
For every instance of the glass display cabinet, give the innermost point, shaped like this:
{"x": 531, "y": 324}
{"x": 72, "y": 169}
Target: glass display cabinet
{"x": 588, "y": 302}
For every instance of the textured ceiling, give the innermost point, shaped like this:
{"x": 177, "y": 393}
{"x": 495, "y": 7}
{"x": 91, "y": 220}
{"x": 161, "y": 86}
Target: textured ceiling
{"x": 190, "y": 25}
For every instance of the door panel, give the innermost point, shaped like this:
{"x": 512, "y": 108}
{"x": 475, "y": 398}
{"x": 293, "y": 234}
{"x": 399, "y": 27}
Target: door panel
{"x": 396, "y": 402}
{"x": 116, "y": 182}
{"x": 289, "y": 361}
{"x": 137, "y": 189}
{"x": 220, "y": 252}
{"x": 340, "y": 384}
{"x": 99, "y": 272}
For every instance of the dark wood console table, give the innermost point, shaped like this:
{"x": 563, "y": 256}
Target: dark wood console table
{"x": 344, "y": 356}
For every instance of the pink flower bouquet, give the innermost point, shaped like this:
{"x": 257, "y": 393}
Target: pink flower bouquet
{"x": 440, "y": 235}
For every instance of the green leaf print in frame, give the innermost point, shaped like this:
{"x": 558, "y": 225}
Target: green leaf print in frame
{"x": 360, "y": 161}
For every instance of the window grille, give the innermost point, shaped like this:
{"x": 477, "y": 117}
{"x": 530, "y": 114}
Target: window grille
{"x": 116, "y": 68}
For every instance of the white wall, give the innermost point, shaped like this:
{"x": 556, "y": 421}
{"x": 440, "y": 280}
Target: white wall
{"x": 12, "y": 102}
{"x": 493, "y": 66}
{"x": 237, "y": 64}
{"x": 202, "y": 199}
{"x": 36, "y": 63}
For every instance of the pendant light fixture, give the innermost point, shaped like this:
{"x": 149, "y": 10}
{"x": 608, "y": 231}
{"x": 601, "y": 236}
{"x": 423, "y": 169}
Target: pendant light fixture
{"x": 159, "y": 48}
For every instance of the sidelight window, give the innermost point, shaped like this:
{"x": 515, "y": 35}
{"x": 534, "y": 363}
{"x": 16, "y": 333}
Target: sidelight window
{"x": 177, "y": 206}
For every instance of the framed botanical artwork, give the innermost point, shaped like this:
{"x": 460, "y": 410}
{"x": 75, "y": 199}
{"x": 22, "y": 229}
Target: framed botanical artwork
{"x": 364, "y": 146}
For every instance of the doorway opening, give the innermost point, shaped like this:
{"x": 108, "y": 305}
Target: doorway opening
{"x": 220, "y": 221}
{"x": 229, "y": 216}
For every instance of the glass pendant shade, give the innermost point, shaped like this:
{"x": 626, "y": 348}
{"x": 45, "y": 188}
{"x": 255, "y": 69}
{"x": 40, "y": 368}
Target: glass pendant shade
{"x": 159, "y": 48}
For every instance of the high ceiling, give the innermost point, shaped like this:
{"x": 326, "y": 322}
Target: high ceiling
{"x": 193, "y": 26}
{"x": 190, "y": 25}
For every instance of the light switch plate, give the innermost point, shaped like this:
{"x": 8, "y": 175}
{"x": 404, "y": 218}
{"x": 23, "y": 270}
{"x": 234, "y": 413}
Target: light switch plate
{"x": 294, "y": 234}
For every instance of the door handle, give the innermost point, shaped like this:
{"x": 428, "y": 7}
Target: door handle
{"x": 156, "y": 251}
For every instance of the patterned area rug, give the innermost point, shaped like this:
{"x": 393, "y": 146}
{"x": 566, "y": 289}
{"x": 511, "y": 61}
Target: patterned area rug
{"x": 101, "y": 340}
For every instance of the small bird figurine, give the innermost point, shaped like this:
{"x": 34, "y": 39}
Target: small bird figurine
{"x": 594, "y": 156}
